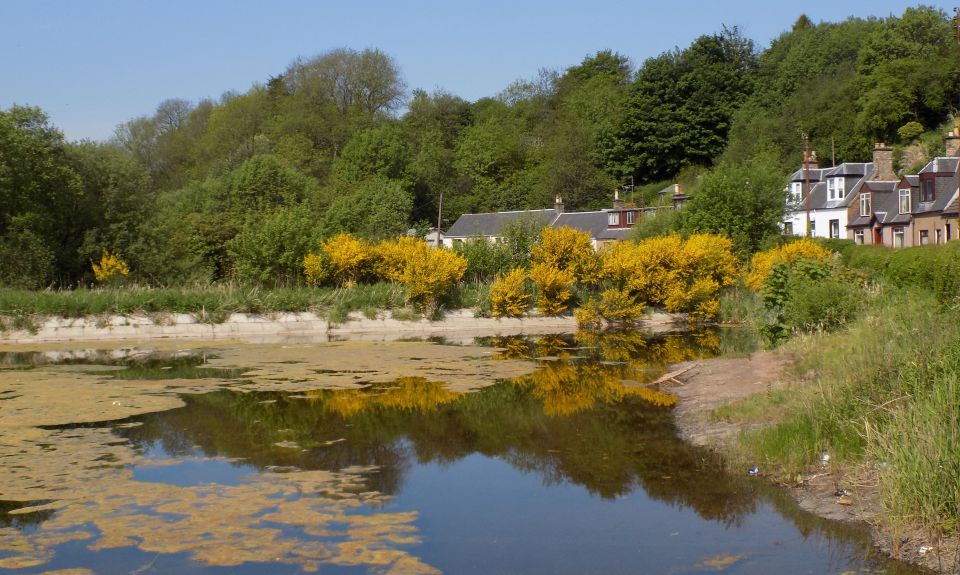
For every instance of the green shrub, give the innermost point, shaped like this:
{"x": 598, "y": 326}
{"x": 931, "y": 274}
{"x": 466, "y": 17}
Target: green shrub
{"x": 927, "y": 267}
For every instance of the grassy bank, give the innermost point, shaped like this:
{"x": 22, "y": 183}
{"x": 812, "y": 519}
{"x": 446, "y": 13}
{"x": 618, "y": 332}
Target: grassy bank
{"x": 882, "y": 398}
{"x": 215, "y": 303}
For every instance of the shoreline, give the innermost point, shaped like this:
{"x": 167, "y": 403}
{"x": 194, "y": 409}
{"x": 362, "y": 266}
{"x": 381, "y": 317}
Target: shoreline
{"x": 265, "y": 328}
{"x": 710, "y": 383}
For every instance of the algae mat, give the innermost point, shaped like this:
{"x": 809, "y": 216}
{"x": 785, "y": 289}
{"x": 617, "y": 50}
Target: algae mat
{"x": 62, "y": 460}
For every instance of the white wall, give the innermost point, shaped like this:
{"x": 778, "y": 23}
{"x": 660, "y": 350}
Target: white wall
{"x": 821, "y": 222}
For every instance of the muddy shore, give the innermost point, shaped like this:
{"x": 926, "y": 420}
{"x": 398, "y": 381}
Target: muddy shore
{"x": 708, "y": 384}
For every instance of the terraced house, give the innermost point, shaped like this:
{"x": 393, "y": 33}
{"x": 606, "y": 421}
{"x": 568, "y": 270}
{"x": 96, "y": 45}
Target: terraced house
{"x": 604, "y": 226}
{"x": 870, "y": 204}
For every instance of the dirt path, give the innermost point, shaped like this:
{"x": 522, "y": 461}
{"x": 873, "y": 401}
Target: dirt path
{"x": 709, "y": 384}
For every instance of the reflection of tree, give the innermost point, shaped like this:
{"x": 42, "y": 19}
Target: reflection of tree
{"x": 572, "y": 421}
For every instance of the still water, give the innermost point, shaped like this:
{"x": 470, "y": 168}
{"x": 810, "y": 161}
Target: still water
{"x": 574, "y": 468}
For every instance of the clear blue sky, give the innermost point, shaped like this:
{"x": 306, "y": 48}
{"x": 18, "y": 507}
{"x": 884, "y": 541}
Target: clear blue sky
{"x": 92, "y": 64}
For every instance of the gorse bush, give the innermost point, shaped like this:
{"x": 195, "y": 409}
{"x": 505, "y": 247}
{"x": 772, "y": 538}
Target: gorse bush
{"x": 763, "y": 262}
{"x": 553, "y": 287}
{"x": 568, "y": 249}
{"x": 111, "y": 269}
{"x": 349, "y": 258}
{"x": 508, "y": 294}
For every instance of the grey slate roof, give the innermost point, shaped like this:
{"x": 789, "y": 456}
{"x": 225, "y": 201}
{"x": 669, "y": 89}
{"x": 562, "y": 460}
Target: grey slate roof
{"x": 816, "y": 174}
{"x": 595, "y": 223}
{"x": 946, "y": 184}
{"x": 850, "y": 169}
{"x": 492, "y": 224}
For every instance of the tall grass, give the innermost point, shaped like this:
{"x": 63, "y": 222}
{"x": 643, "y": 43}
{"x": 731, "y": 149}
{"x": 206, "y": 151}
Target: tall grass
{"x": 209, "y": 303}
{"x": 881, "y": 394}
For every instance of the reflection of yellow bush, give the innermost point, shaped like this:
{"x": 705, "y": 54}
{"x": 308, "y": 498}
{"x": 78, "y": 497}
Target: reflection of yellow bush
{"x": 407, "y": 393}
{"x": 512, "y": 347}
{"x": 566, "y": 388}
{"x": 553, "y": 346}
{"x": 763, "y": 262}
{"x": 508, "y": 296}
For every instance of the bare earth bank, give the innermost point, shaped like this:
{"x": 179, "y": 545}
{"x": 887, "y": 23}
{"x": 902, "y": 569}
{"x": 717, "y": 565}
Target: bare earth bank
{"x": 709, "y": 384}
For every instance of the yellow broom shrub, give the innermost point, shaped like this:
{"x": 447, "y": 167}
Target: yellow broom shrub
{"x": 763, "y": 262}
{"x": 566, "y": 248}
{"x": 314, "y": 268}
{"x": 429, "y": 273}
{"x": 508, "y": 294}
{"x": 349, "y": 258}
{"x": 111, "y": 268}
{"x": 392, "y": 256}
{"x": 553, "y": 288}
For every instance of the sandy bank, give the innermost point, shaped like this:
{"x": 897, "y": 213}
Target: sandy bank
{"x": 458, "y": 324}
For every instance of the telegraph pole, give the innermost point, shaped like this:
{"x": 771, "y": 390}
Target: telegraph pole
{"x": 806, "y": 177}
{"x": 439, "y": 216}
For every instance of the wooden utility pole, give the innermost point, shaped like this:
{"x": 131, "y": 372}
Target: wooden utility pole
{"x": 439, "y": 217}
{"x": 806, "y": 177}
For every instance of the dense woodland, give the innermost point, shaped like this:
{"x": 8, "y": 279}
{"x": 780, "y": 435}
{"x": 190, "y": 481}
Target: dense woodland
{"x": 242, "y": 187}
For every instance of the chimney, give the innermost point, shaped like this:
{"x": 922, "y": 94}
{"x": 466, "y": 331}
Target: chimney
{"x": 952, "y": 143}
{"x": 558, "y": 204}
{"x": 883, "y": 163}
{"x": 617, "y": 202}
{"x": 812, "y": 163}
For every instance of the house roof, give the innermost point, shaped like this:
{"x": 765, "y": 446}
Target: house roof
{"x": 953, "y": 206}
{"x": 940, "y": 165}
{"x": 594, "y": 223}
{"x": 850, "y": 169}
{"x": 492, "y": 224}
{"x": 816, "y": 174}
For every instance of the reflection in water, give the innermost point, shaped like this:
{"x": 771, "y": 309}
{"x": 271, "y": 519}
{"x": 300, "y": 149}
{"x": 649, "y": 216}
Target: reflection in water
{"x": 332, "y": 478}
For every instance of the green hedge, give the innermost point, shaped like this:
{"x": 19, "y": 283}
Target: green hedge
{"x": 935, "y": 267}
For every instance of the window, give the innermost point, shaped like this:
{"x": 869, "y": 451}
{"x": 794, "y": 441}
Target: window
{"x": 631, "y": 217}
{"x": 788, "y": 228}
{"x": 858, "y": 237}
{"x": 939, "y": 236}
{"x": 834, "y": 228}
{"x": 927, "y": 190}
{"x": 904, "y": 201}
{"x": 613, "y": 219}
{"x": 924, "y": 237}
{"x": 865, "y": 204}
{"x": 898, "y": 237}
{"x": 796, "y": 191}
{"x": 813, "y": 228}
{"x": 835, "y": 188}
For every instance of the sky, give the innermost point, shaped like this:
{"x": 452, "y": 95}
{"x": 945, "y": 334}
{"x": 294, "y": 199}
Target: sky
{"x": 94, "y": 64}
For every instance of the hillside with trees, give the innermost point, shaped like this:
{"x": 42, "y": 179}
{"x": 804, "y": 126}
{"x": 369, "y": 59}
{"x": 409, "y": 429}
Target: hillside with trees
{"x": 243, "y": 187}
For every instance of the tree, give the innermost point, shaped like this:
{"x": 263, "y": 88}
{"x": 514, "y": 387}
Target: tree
{"x": 744, "y": 202}
{"x": 378, "y": 208}
{"x": 679, "y": 107}
{"x": 367, "y": 82}
{"x": 270, "y": 248}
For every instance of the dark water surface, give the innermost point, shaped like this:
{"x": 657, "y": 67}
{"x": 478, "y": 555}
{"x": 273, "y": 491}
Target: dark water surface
{"x": 574, "y": 469}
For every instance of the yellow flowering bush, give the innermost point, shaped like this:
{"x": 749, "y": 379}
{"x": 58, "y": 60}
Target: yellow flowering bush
{"x": 553, "y": 288}
{"x": 315, "y": 268}
{"x": 429, "y": 273}
{"x": 392, "y": 256}
{"x": 508, "y": 294}
{"x": 679, "y": 275}
{"x": 763, "y": 262}
{"x": 111, "y": 268}
{"x": 568, "y": 249}
{"x": 349, "y": 258}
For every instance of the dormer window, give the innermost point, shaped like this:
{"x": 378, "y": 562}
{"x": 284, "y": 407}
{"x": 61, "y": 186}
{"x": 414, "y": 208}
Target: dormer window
{"x": 835, "y": 188}
{"x": 796, "y": 191}
{"x": 928, "y": 190}
{"x": 613, "y": 219}
{"x": 865, "y": 204}
{"x": 904, "y": 201}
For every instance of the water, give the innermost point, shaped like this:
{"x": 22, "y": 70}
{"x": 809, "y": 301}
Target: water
{"x": 576, "y": 468}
